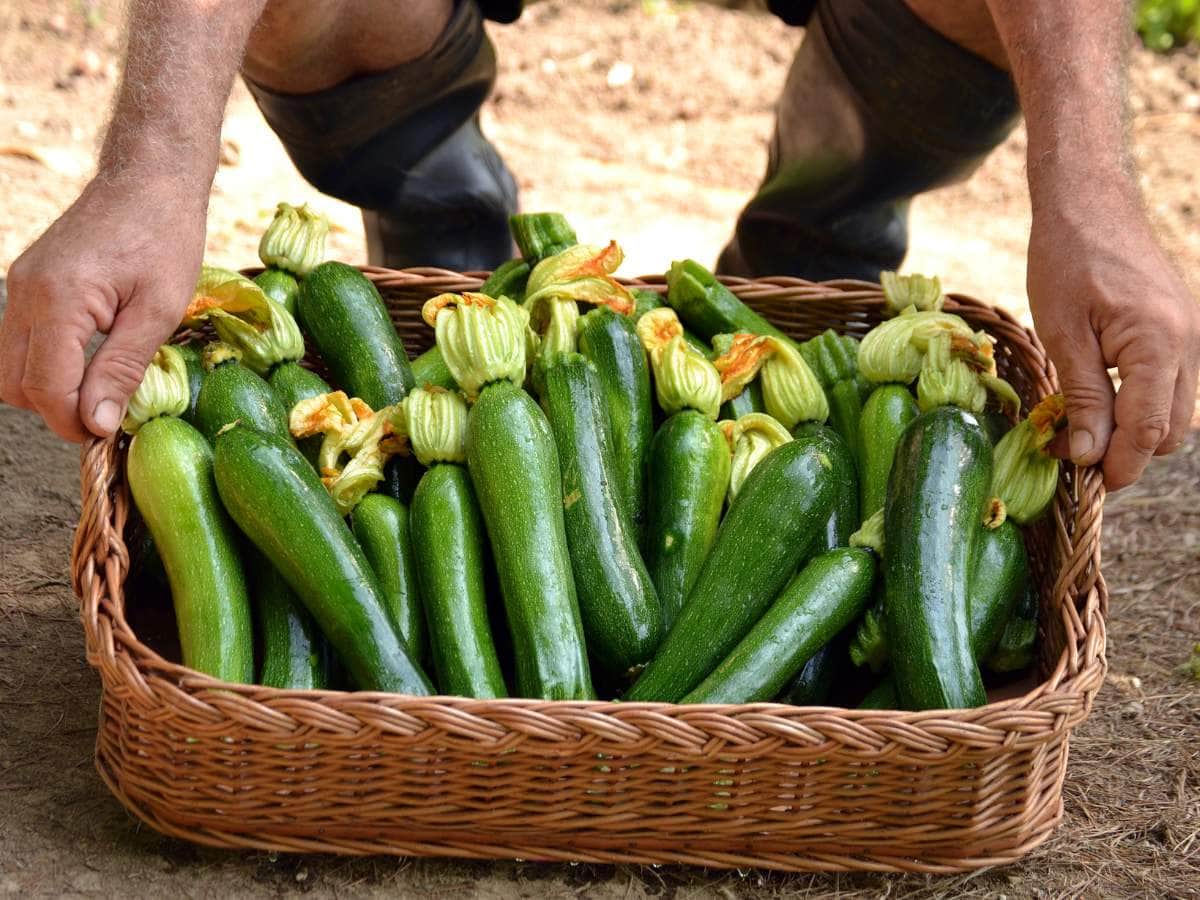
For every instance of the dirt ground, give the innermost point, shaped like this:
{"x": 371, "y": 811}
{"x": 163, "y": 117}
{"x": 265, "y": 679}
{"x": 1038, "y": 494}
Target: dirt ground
{"x": 663, "y": 162}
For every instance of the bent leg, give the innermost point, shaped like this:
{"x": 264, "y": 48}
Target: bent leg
{"x": 878, "y": 106}
{"x": 377, "y": 104}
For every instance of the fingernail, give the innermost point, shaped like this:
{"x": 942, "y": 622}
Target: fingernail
{"x": 107, "y": 415}
{"x": 1082, "y": 443}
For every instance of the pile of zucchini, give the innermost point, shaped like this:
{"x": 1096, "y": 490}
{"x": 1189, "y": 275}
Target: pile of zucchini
{"x": 584, "y": 491}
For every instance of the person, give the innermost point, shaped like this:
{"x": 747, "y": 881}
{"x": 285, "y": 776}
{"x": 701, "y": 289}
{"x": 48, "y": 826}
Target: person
{"x": 377, "y": 104}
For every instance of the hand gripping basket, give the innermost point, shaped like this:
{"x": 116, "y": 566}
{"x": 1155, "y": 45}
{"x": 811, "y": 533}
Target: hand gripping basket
{"x": 760, "y": 785}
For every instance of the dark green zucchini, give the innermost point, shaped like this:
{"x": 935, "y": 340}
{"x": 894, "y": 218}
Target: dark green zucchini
{"x": 845, "y": 410}
{"x": 932, "y": 519}
{"x": 687, "y": 477}
{"x": 508, "y": 280}
{"x": 515, "y": 472}
{"x": 610, "y": 341}
{"x": 280, "y": 286}
{"x": 770, "y": 528}
{"x": 815, "y": 682}
{"x": 538, "y": 235}
{"x": 885, "y": 415}
{"x": 280, "y": 504}
{"x": 231, "y": 392}
{"x": 844, "y": 519}
{"x": 448, "y": 540}
{"x": 340, "y": 309}
{"x": 999, "y": 578}
{"x": 820, "y": 601}
{"x": 192, "y": 353}
{"x": 293, "y": 383}
{"x": 622, "y": 618}
{"x": 380, "y": 524}
{"x": 750, "y": 400}
{"x": 709, "y": 308}
{"x": 293, "y": 651}
{"x": 1014, "y": 650}
{"x": 430, "y": 370}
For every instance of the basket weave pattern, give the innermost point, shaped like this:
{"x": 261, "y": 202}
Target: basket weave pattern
{"x": 762, "y": 785}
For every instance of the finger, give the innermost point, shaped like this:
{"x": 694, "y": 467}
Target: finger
{"x": 1143, "y": 421}
{"x": 1183, "y": 407}
{"x": 53, "y": 370}
{"x": 117, "y": 368}
{"x": 14, "y": 347}
{"x": 1089, "y": 394}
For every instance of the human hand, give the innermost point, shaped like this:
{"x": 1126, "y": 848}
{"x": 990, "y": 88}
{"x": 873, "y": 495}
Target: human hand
{"x": 122, "y": 261}
{"x": 1104, "y": 294}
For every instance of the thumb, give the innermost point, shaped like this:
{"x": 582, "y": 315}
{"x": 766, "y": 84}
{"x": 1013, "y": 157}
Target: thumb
{"x": 1088, "y": 388}
{"x": 118, "y": 366}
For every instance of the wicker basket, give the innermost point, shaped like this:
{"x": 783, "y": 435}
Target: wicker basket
{"x": 761, "y": 785}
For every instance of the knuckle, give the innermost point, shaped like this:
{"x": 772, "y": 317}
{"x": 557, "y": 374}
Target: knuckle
{"x": 1150, "y": 432}
{"x": 123, "y": 370}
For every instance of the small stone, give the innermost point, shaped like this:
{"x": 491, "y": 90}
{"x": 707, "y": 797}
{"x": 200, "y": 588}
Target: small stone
{"x": 619, "y": 74}
{"x": 1191, "y": 102}
{"x": 88, "y": 64}
{"x": 549, "y": 66}
{"x": 302, "y": 875}
{"x": 28, "y": 129}
{"x": 58, "y": 24}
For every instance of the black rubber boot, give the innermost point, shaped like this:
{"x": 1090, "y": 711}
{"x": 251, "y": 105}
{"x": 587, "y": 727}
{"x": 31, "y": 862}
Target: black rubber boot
{"x": 877, "y": 107}
{"x": 405, "y": 146}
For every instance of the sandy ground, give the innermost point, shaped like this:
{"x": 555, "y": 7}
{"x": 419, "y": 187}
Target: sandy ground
{"x": 662, "y": 162}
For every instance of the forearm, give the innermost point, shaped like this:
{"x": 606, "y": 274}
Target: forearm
{"x": 181, "y": 58}
{"x": 1068, "y": 62}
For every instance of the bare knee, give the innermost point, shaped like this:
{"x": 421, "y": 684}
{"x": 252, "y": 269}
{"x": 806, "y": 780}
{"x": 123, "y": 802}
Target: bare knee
{"x": 969, "y": 24}
{"x": 299, "y": 46}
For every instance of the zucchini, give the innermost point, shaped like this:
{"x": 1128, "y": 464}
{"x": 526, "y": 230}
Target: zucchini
{"x": 340, "y": 309}
{"x": 538, "y": 235}
{"x": 776, "y": 518}
{"x": 845, "y": 410}
{"x": 231, "y": 392}
{"x": 448, "y": 537}
{"x": 999, "y": 578}
{"x": 882, "y": 696}
{"x": 885, "y": 415}
{"x": 280, "y": 286}
{"x": 515, "y": 472}
{"x": 1014, "y": 650}
{"x": 996, "y": 424}
{"x": 508, "y": 280}
{"x": 814, "y": 683}
{"x": 514, "y": 469}
{"x": 279, "y": 503}
{"x": 170, "y": 473}
{"x": 430, "y": 370}
{"x": 750, "y": 400}
{"x": 293, "y": 383}
{"x": 622, "y": 618}
{"x": 380, "y": 524}
{"x": 293, "y": 651}
{"x": 611, "y": 342}
{"x": 844, "y": 519}
{"x": 816, "y": 605}
{"x": 192, "y": 353}
{"x": 932, "y": 519}
{"x": 689, "y": 467}
{"x": 999, "y": 582}
{"x": 832, "y": 357}
{"x": 709, "y": 308}
{"x": 687, "y": 476}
